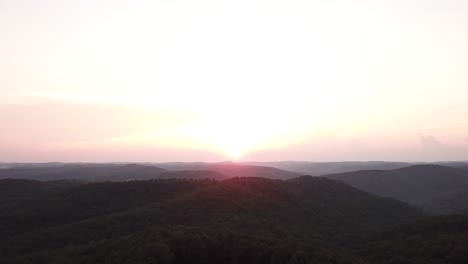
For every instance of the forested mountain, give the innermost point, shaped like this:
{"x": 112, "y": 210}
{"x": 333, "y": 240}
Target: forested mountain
{"x": 418, "y": 185}
{"x": 239, "y": 220}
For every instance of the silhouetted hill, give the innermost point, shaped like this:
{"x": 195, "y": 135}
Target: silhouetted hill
{"x": 418, "y": 185}
{"x": 239, "y": 220}
{"x": 232, "y": 169}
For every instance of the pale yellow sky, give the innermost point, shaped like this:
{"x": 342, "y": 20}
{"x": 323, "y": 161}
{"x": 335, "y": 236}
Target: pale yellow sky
{"x": 249, "y": 80}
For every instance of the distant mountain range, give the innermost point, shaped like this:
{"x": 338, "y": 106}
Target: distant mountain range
{"x": 300, "y": 167}
{"x": 435, "y": 188}
{"x": 323, "y": 168}
{"x": 126, "y": 172}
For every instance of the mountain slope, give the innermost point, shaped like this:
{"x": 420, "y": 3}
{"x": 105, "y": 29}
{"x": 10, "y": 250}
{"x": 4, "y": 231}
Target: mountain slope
{"x": 418, "y": 185}
{"x": 451, "y": 203}
{"x": 248, "y": 220}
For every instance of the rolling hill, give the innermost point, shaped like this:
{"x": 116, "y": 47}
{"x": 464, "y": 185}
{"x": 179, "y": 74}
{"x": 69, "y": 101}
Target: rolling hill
{"x": 418, "y": 185}
{"x": 239, "y": 220}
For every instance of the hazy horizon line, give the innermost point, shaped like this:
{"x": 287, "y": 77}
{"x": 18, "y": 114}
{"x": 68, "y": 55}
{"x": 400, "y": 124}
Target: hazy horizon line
{"x": 232, "y": 161}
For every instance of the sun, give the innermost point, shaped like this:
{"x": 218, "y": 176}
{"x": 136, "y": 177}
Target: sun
{"x": 234, "y": 143}
{"x": 235, "y": 153}
{"x": 237, "y": 130}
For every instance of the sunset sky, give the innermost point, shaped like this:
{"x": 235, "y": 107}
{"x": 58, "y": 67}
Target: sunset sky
{"x": 185, "y": 80}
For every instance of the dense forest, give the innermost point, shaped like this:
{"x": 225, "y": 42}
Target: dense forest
{"x": 217, "y": 220}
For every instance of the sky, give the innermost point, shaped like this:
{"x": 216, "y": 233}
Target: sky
{"x": 183, "y": 80}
